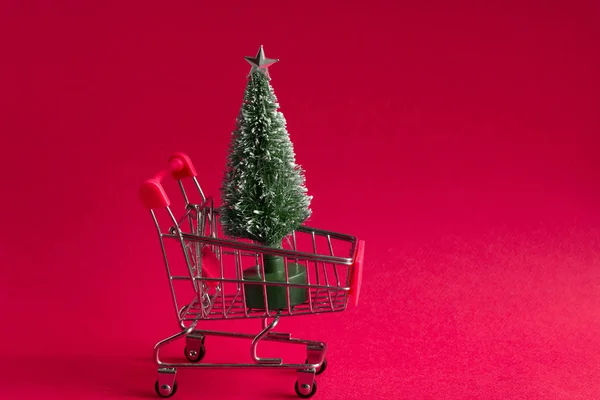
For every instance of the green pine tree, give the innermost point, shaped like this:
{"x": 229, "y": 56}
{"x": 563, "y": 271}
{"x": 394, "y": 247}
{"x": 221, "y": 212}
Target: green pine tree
{"x": 264, "y": 196}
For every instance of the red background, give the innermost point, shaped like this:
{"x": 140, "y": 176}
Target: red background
{"x": 459, "y": 140}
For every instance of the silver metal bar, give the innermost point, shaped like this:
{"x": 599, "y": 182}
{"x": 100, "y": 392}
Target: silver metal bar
{"x": 327, "y": 284}
{"x": 164, "y": 251}
{"x": 271, "y": 337}
{"x": 318, "y": 308}
{"x": 233, "y": 301}
{"x": 193, "y": 259}
{"x": 222, "y": 277}
{"x": 335, "y": 270}
{"x": 304, "y": 312}
{"x": 325, "y": 274}
{"x": 183, "y": 217}
{"x": 240, "y": 266}
{"x": 182, "y": 313}
{"x": 287, "y": 281}
{"x": 258, "y": 338}
{"x": 185, "y": 197}
{"x": 329, "y": 244}
{"x": 337, "y": 279}
{"x": 181, "y": 240}
{"x": 239, "y": 285}
{"x": 264, "y": 286}
{"x": 309, "y": 286}
{"x": 198, "y": 249}
{"x": 198, "y": 217}
{"x": 201, "y": 221}
{"x": 322, "y": 232}
{"x": 262, "y": 283}
{"x": 190, "y": 219}
{"x": 170, "y": 339}
{"x": 314, "y": 243}
{"x": 246, "y": 254}
{"x": 254, "y": 248}
{"x": 199, "y": 188}
{"x": 213, "y": 220}
{"x": 281, "y": 335}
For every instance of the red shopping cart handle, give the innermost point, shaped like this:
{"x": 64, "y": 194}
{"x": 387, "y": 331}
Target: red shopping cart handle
{"x": 357, "y": 271}
{"x": 184, "y": 169}
{"x": 152, "y": 193}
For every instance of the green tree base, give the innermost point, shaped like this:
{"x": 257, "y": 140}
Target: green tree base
{"x": 276, "y": 295}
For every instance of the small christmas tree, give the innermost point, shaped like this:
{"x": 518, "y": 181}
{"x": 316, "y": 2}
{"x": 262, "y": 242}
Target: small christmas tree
{"x": 264, "y": 197}
{"x": 263, "y": 193}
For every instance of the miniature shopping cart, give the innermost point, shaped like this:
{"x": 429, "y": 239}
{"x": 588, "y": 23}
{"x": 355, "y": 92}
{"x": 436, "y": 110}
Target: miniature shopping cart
{"x": 208, "y": 278}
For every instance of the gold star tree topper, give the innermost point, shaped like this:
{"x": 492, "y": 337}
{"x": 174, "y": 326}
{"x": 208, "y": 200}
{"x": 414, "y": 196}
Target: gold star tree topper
{"x": 260, "y": 62}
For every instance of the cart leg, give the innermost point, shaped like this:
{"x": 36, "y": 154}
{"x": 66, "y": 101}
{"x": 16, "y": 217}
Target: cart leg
{"x": 182, "y": 313}
{"x": 165, "y": 385}
{"x": 194, "y": 346}
{"x": 266, "y": 329}
{"x": 316, "y": 355}
{"x": 305, "y": 385}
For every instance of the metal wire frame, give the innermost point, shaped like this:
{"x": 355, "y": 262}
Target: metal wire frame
{"x": 198, "y": 227}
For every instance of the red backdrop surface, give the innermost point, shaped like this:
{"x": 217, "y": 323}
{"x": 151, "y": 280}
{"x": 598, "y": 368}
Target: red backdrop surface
{"x": 460, "y": 140}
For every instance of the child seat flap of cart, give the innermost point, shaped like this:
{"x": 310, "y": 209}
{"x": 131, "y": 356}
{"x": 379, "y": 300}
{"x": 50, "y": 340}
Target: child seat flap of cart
{"x": 224, "y": 279}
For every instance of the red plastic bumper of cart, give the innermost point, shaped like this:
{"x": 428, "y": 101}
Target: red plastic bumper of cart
{"x": 357, "y": 272}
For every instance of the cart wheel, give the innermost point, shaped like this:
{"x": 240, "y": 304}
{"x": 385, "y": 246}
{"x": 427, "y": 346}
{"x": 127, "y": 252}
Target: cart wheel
{"x": 165, "y": 391}
{"x": 320, "y": 370}
{"x": 309, "y": 395}
{"x": 195, "y": 356}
